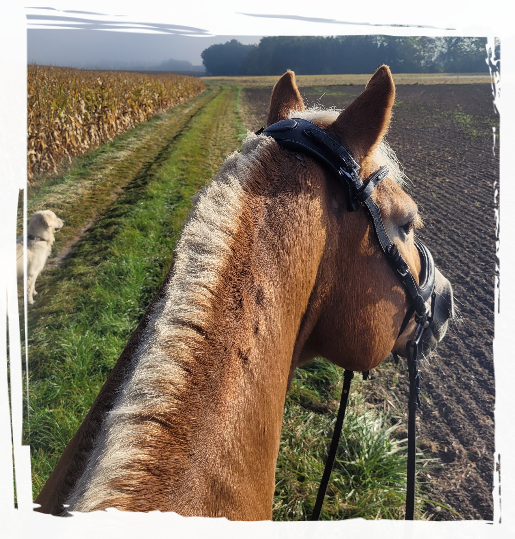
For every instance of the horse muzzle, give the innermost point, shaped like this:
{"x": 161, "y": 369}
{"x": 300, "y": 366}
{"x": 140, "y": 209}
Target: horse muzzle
{"x": 443, "y": 312}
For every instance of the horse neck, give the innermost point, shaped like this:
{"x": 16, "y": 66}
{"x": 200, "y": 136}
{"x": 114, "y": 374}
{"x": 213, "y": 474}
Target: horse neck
{"x": 196, "y": 425}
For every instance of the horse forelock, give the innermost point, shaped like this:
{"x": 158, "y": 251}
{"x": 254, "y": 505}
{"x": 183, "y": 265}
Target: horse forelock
{"x": 156, "y": 385}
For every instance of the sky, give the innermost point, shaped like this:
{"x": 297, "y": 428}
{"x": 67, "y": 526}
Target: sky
{"x": 84, "y": 32}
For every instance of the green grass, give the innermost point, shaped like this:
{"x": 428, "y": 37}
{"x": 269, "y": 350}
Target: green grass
{"x": 369, "y": 476}
{"x": 136, "y": 192}
{"x": 472, "y": 126}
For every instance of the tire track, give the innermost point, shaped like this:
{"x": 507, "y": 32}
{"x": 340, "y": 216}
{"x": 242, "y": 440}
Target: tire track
{"x": 100, "y": 177}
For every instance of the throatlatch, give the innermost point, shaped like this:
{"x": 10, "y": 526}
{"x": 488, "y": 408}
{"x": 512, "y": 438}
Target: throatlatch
{"x": 303, "y": 136}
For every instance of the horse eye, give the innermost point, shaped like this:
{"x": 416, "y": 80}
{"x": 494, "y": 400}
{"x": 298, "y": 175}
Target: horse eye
{"x": 407, "y": 228}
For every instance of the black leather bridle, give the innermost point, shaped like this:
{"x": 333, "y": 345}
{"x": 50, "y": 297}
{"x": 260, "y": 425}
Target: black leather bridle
{"x": 303, "y": 136}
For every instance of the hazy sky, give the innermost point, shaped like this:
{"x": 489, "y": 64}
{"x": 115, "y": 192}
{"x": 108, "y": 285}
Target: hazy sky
{"x": 78, "y": 32}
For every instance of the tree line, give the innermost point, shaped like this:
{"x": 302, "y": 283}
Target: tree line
{"x": 347, "y": 54}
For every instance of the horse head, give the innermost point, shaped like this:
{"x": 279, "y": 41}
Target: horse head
{"x": 358, "y": 304}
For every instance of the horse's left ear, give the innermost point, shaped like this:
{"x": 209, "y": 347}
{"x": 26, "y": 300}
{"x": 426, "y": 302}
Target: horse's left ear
{"x": 362, "y": 125}
{"x": 285, "y": 98}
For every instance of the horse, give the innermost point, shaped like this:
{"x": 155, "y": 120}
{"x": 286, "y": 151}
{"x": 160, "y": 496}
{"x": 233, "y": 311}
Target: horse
{"x": 270, "y": 271}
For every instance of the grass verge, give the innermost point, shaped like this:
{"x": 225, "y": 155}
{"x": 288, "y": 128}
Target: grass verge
{"x": 369, "y": 476}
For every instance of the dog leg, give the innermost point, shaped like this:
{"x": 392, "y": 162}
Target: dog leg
{"x": 31, "y": 282}
{"x": 30, "y": 293}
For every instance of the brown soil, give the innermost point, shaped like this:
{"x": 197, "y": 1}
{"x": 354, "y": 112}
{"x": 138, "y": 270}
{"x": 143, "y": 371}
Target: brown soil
{"x": 443, "y": 137}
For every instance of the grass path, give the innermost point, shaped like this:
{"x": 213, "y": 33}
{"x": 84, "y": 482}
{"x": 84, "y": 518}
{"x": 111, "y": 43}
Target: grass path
{"x": 90, "y": 304}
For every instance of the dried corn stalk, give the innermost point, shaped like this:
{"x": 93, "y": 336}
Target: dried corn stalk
{"x": 71, "y": 111}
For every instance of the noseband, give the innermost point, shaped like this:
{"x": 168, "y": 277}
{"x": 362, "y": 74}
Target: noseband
{"x": 303, "y": 136}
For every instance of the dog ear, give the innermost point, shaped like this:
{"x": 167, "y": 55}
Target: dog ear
{"x": 285, "y": 99}
{"x": 39, "y": 225}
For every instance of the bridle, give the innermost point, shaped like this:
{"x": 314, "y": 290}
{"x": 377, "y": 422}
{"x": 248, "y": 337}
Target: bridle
{"x": 303, "y": 136}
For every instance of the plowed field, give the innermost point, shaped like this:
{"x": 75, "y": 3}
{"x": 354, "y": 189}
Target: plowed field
{"x": 443, "y": 137}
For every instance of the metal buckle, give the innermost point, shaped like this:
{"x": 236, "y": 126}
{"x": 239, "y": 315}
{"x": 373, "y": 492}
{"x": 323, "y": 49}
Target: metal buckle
{"x": 419, "y": 331}
{"x": 406, "y": 270}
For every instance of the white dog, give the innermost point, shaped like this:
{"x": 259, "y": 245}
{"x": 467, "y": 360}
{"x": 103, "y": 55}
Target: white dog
{"x": 40, "y": 237}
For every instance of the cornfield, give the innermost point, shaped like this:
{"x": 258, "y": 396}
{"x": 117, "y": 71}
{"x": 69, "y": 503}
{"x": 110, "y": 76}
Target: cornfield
{"x": 71, "y": 111}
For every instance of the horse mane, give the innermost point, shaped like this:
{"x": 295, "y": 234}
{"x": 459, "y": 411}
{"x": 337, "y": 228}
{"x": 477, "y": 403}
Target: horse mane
{"x": 268, "y": 273}
{"x": 178, "y": 322}
{"x": 157, "y": 385}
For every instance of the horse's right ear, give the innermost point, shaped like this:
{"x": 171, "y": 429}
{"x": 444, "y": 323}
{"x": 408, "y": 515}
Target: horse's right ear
{"x": 285, "y": 98}
{"x": 362, "y": 125}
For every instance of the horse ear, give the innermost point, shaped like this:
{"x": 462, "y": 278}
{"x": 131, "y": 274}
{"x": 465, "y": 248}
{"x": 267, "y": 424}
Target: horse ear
{"x": 362, "y": 125}
{"x": 285, "y": 98}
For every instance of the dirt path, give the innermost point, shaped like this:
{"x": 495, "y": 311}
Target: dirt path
{"x": 443, "y": 137}
{"x": 83, "y": 192}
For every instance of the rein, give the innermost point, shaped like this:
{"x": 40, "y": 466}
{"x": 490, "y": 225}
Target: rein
{"x": 303, "y": 136}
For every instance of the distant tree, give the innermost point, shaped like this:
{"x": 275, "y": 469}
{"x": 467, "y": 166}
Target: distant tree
{"x": 463, "y": 54}
{"x": 430, "y": 48}
{"x": 451, "y": 48}
{"x": 402, "y": 54}
{"x": 227, "y": 59}
{"x": 356, "y": 54}
{"x": 478, "y": 47}
{"x": 315, "y": 55}
{"x": 347, "y": 54}
{"x": 272, "y": 56}
{"x": 403, "y": 48}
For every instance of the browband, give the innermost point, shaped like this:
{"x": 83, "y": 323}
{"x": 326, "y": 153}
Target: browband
{"x": 302, "y": 135}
